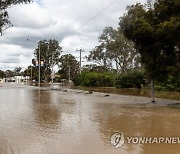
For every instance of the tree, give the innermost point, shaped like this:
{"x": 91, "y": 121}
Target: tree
{"x": 17, "y": 71}
{"x": 115, "y": 49}
{"x": 122, "y": 51}
{"x": 9, "y": 73}
{"x": 4, "y": 18}
{"x": 155, "y": 31}
{"x": 32, "y": 72}
{"x": 2, "y": 74}
{"x": 99, "y": 54}
{"x": 50, "y": 52}
{"x": 94, "y": 68}
{"x": 100, "y": 57}
{"x": 69, "y": 67}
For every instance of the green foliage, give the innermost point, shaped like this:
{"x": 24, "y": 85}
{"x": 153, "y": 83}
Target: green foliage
{"x": 50, "y": 52}
{"x": 17, "y": 71}
{"x": 115, "y": 49}
{"x": 171, "y": 84}
{"x": 2, "y": 74}
{"x": 9, "y": 73}
{"x": 4, "y": 18}
{"x": 94, "y": 68}
{"x": 155, "y": 30}
{"x": 69, "y": 67}
{"x": 77, "y": 79}
{"x": 57, "y": 79}
{"x": 89, "y": 79}
{"x": 105, "y": 79}
{"x": 33, "y": 70}
{"x": 134, "y": 79}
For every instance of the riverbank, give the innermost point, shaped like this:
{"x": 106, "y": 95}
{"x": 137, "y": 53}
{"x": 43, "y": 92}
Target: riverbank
{"x": 91, "y": 96}
{"x": 144, "y": 92}
{"x": 79, "y": 95}
{"x": 98, "y": 97}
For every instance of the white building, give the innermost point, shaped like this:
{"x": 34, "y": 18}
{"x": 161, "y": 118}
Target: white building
{"x": 20, "y": 79}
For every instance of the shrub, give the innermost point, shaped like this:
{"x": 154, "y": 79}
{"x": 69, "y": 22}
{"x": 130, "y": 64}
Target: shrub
{"x": 105, "y": 79}
{"x": 134, "y": 79}
{"x": 171, "y": 83}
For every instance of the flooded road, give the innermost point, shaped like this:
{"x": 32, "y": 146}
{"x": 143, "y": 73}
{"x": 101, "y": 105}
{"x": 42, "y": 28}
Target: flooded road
{"x": 39, "y": 121}
{"x": 136, "y": 92}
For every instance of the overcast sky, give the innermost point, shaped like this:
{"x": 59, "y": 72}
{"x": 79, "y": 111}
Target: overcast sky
{"x": 68, "y": 21}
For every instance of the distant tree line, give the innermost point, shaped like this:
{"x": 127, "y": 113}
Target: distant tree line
{"x": 144, "y": 47}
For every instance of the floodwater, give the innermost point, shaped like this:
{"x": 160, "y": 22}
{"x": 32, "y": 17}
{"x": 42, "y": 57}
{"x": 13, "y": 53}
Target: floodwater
{"x": 39, "y": 121}
{"x": 136, "y": 92}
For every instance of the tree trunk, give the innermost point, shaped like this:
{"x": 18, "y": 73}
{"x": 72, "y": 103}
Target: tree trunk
{"x": 152, "y": 91}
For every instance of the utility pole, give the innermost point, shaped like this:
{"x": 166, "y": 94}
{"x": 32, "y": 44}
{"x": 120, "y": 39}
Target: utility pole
{"x": 39, "y": 61}
{"x": 51, "y": 64}
{"x": 31, "y": 74}
{"x": 39, "y": 65}
{"x": 52, "y": 74}
{"x": 69, "y": 73}
{"x": 80, "y": 51}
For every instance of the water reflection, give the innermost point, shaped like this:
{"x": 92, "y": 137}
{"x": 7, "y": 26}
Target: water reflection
{"x": 34, "y": 121}
{"x": 140, "y": 121}
{"x": 45, "y": 109}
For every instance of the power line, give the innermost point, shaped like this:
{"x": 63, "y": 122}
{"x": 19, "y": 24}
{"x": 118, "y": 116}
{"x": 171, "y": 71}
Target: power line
{"x": 82, "y": 25}
{"x": 100, "y": 12}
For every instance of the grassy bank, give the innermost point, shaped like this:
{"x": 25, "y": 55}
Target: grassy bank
{"x": 145, "y": 92}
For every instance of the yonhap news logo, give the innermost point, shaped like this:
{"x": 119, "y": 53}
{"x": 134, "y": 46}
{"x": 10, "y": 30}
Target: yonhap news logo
{"x": 118, "y": 139}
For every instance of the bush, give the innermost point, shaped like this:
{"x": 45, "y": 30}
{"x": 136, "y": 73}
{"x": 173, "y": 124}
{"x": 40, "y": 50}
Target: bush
{"x": 105, "y": 79}
{"x": 90, "y": 79}
{"x": 133, "y": 79}
{"x": 76, "y": 80}
{"x": 171, "y": 84}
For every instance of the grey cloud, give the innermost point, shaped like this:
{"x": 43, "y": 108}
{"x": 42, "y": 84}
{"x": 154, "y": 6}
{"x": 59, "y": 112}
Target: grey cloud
{"x": 10, "y": 60}
{"x": 19, "y": 53}
{"x": 60, "y": 20}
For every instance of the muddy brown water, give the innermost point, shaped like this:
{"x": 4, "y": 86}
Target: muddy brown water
{"x": 145, "y": 92}
{"x": 34, "y": 121}
{"x": 136, "y": 92}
